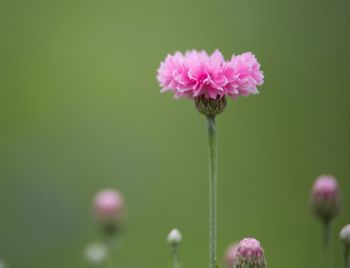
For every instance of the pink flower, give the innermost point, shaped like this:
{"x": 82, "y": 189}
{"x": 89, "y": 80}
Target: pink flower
{"x": 230, "y": 255}
{"x": 325, "y": 197}
{"x": 248, "y": 71}
{"x": 108, "y": 207}
{"x": 195, "y": 74}
{"x": 249, "y": 254}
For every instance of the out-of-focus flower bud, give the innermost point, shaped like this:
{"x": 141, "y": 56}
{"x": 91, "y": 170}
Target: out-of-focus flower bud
{"x": 109, "y": 210}
{"x": 325, "y": 197}
{"x": 230, "y": 255}
{"x": 96, "y": 254}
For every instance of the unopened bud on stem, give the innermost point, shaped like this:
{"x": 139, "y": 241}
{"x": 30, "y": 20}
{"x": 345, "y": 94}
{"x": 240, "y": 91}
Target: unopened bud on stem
{"x": 345, "y": 238}
{"x": 174, "y": 237}
{"x": 345, "y": 235}
{"x": 109, "y": 208}
{"x": 250, "y": 254}
{"x": 325, "y": 198}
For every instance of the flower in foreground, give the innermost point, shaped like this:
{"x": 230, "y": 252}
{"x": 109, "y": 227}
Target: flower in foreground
{"x": 249, "y": 254}
{"x": 108, "y": 207}
{"x": 325, "y": 197}
{"x": 230, "y": 255}
{"x": 208, "y": 79}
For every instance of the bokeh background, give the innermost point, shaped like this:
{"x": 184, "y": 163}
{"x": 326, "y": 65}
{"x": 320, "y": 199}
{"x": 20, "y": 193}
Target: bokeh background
{"x": 81, "y": 111}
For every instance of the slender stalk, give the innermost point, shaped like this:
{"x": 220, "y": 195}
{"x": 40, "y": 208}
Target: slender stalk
{"x": 346, "y": 257}
{"x": 112, "y": 243}
{"x": 213, "y": 164}
{"x": 175, "y": 257}
{"x": 327, "y": 254}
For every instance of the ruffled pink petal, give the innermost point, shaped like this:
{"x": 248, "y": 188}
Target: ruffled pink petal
{"x": 196, "y": 73}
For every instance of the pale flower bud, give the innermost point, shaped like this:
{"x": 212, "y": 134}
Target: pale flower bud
{"x": 96, "y": 254}
{"x": 3, "y": 264}
{"x": 174, "y": 237}
{"x": 345, "y": 235}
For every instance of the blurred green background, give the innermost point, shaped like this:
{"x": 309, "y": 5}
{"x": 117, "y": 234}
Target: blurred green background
{"x": 81, "y": 111}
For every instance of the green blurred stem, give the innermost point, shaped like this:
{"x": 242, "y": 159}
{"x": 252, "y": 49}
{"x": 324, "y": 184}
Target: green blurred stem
{"x": 327, "y": 254}
{"x": 175, "y": 256}
{"x": 112, "y": 243}
{"x": 346, "y": 257}
{"x": 213, "y": 166}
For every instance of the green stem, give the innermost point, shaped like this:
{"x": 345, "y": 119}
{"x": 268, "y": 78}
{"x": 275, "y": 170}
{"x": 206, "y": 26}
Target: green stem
{"x": 346, "y": 257}
{"x": 327, "y": 254}
{"x": 112, "y": 243}
{"x": 213, "y": 166}
{"x": 175, "y": 255}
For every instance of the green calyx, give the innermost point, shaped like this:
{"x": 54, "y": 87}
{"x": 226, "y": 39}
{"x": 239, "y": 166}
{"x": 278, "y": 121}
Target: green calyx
{"x": 210, "y": 107}
{"x": 250, "y": 263}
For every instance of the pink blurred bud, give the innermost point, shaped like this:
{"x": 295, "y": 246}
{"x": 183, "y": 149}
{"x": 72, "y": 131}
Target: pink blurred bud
{"x": 325, "y": 197}
{"x": 230, "y": 255}
{"x": 250, "y": 254}
{"x": 108, "y": 207}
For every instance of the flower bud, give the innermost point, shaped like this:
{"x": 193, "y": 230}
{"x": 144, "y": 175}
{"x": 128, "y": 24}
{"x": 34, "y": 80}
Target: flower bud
{"x": 210, "y": 107}
{"x": 249, "y": 254}
{"x": 345, "y": 235}
{"x": 3, "y": 264}
{"x": 325, "y": 197}
{"x": 174, "y": 237}
{"x": 108, "y": 206}
{"x": 96, "y": 254}
{"x": 230, "y": 255}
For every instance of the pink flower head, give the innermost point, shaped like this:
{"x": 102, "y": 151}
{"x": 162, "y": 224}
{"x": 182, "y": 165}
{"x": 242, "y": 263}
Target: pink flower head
{"x": 249, "y": 254}
{"x": 247, "y": 68}
{"x": 325, "y": 197}
{"x": 230, "y": 255}
{"x": 108, "y": 206}
{"x": 195, "y": 74}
